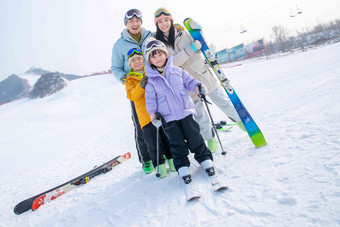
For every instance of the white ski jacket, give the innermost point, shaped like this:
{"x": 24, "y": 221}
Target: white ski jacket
{"x": 193, "y": 63}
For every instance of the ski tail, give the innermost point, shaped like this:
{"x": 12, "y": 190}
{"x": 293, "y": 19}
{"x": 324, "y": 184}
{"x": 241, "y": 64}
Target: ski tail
{"x": 252, "y": 129}
{"x": 35, "y": 202}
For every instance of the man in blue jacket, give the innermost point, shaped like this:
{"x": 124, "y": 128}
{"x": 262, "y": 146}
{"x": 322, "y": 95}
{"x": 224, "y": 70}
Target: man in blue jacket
{"x": 133, "y": 36}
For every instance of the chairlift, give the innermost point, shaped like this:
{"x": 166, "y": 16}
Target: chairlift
{"x": 298, "y": 10}
{"x": 242, "y": 29}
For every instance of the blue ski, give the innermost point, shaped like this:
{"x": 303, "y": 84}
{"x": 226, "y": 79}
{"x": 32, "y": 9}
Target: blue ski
{"x": 253, "y": 130}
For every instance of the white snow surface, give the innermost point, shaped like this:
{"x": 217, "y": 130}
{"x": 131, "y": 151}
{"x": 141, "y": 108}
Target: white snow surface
{"x": 293, "y": 181}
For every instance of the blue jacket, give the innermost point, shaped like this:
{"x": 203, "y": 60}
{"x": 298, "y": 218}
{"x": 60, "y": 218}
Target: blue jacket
{"x": 119, "y": 63}
{"x": 168, "y": 94}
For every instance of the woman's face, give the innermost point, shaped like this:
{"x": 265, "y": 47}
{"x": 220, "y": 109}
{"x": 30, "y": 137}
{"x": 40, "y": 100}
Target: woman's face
{"x": 164, "y": 24}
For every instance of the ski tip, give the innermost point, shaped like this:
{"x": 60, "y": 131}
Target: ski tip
{"x": 194, "y": 198}
{"x": 21, "y": 208}
{"x": 16, "y": 211}
{"x": 221, "y": 189}
{"x": 127, "y": 155}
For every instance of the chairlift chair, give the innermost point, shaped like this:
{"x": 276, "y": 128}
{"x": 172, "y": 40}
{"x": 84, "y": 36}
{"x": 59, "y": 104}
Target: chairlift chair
{"x": 299, "y": 11}
{"x": 242, "y": 29}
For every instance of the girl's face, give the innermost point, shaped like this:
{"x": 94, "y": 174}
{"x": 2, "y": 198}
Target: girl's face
{"x": 164, "y": 24}
{"x": 158, "y": 59}
{"x": 137, "y": 64}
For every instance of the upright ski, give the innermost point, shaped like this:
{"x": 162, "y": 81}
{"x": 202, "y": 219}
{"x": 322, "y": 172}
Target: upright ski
{"x": 36, "y": 201}
{"x": 253, "y": 130}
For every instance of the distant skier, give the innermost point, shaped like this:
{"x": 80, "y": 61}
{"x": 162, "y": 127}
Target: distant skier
{"x": 133, "y": 36}
{"x": 186, "y": 54}
{"x": 135, "y": 90}
{"x": 166, "y": 93}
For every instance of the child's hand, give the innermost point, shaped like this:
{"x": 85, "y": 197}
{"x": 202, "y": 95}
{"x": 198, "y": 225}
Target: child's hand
{"x": 124, "y": 77}
{"x": 155, "y": 121}
{"x": 143, "y": 82}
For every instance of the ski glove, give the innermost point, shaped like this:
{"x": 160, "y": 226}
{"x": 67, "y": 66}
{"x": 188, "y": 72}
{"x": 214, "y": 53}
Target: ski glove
{"x": 155, "y": 121}
{"x": 194, "y": 25}
{"x": 201, "y": 90}
{"x": 143, "y": 82}
{"x": 196, "y": 45}
{"x": 193, "y": 47}
{"x": 124, "y": 77}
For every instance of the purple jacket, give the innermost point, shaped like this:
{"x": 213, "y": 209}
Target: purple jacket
{"x": 168, "y": 94}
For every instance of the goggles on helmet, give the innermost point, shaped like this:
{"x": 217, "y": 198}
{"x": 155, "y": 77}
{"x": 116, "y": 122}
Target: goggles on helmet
{"x": 133, "y": 13}
{"x": 161, "y": 11}
{"x": 153, "y": 43}
{"x": 134, "y": 51}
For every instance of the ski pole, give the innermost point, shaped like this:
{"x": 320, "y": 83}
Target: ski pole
{"x": 204, "y": 99}
{"x": 158, "y": 124}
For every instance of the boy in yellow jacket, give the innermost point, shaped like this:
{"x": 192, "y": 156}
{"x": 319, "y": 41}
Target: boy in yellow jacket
{"x": 135, "y": 90}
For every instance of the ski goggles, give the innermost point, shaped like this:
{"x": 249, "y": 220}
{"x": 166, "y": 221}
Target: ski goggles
{"x": 133, "y": 13}
{"x": 153, "y": 43}
{"x": 134, "y": 51}
{"x": 161, "y": 11}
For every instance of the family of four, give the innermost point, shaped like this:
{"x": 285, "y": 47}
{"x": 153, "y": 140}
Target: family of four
{"x": 166, "y": 73}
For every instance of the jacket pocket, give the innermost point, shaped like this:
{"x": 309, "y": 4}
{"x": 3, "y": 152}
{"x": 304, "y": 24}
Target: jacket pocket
{"x": 163, "y": 105}
{"x": 187, "y": 103}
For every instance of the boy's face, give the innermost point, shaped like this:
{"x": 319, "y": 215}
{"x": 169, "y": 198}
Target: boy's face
{"x": 137, "y": 64}
{"x": 134, "y": 26}
{"x": 158, "y": 59}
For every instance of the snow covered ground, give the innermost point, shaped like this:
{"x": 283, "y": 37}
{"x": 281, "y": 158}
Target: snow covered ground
{"x": 293, "y": 181}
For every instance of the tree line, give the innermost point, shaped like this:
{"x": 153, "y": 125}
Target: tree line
{"x": 321, "y": 33}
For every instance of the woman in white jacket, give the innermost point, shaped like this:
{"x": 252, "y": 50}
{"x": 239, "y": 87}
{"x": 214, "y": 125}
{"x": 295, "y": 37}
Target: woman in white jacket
{"x": 186, "y": 54}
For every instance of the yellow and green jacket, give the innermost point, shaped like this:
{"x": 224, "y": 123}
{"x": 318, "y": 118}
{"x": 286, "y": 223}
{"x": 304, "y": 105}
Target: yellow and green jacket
{"x": 136, "y": 93}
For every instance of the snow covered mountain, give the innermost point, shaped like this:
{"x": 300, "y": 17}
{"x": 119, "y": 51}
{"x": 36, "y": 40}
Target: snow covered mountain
{"x": 13, "y": 88}
{"x": 293, "y": 181}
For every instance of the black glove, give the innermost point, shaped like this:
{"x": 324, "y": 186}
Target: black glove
{"x": 143, "y": 82}
{"x": 201, "y": 89}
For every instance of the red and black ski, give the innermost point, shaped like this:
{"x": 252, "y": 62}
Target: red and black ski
{"x": 35, "y": 202}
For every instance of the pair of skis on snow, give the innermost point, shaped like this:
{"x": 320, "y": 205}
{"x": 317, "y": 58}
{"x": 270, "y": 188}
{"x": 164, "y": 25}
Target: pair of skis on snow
{"x": 36, "y": 201}
{"x": 192, "y": 193}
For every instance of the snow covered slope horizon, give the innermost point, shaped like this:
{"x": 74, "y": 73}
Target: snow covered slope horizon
{"x": 292, "y": 181}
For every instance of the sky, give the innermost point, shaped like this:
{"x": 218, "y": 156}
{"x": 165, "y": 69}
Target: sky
{"x": 77, "y": 36}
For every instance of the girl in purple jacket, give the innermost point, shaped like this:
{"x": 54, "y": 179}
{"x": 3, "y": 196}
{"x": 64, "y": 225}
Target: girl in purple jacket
{"x": 166, "y": 92}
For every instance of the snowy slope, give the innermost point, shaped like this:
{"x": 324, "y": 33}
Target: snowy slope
{"x": 293, "y": 181}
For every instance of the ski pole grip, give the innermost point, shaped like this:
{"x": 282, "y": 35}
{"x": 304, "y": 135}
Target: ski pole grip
{"x": 200, "y": 90}
{"x": 158, "y": 116}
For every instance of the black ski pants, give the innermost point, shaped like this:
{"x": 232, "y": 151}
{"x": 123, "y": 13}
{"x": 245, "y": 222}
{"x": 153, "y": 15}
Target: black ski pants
{"x": 142, "y": 151}
{"x": 184, "y": 136}
{"x": 150, "y": 136}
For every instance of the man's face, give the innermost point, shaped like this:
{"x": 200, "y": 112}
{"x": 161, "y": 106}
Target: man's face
{"x": 134, "y": 26}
